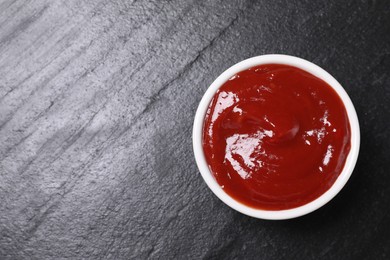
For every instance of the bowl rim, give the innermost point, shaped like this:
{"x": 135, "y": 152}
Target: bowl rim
{"x": 275, "y": 214}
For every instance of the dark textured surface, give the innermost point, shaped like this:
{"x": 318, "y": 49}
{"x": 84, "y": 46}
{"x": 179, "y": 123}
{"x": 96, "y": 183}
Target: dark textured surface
{"x": 97, "y": 100}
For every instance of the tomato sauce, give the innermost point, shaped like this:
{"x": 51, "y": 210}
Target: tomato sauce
{"x": 276, "y": 137}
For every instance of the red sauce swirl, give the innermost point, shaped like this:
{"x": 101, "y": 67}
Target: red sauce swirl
{"x": 276, "y": 137}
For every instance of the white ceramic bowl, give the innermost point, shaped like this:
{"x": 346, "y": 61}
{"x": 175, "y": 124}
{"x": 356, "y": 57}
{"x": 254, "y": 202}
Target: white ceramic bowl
{"x": 275, "y": 214}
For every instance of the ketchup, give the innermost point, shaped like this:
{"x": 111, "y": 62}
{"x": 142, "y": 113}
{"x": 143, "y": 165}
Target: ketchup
{"x": 276, "y": 137}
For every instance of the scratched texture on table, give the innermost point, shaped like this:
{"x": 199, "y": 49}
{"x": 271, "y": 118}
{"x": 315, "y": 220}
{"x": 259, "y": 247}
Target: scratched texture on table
{"x": 97, "y": 100}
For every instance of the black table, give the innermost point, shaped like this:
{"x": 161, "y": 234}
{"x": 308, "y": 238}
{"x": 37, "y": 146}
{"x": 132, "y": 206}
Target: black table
{"x": 97, "y": 100}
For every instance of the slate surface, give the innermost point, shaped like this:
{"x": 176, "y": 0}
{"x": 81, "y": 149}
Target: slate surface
{"x": 97, "y": 100}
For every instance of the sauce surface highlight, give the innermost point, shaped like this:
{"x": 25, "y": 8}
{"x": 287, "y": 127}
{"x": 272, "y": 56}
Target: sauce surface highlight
{"x": 276, "y": 137}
